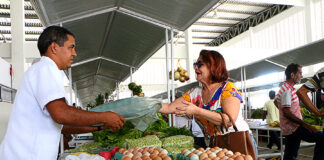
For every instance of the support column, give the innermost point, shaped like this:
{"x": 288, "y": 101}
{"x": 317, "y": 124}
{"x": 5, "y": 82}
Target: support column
{"x": 18, "y": 38}
{"x": 190, "y": 56}
{"x": 309, "y": 20}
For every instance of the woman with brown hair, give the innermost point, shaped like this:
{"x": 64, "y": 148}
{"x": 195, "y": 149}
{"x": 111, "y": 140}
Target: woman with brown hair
{"x": 215, "y": 104}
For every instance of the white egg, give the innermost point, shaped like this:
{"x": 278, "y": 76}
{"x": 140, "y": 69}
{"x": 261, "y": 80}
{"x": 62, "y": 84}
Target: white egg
{"x": 192, "y": 149}
{"x": 199, "y": 153}
{"x": 208, "y": 148}
{"x": 188, "y": 152}
{"x": 194, "y": 157}
{"x": 164, "y": 151}
{"x": 229, "y": 152}
{"x": 216, "y": 151}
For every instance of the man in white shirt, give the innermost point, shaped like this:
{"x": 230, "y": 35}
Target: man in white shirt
{"x": 40, "y": 112}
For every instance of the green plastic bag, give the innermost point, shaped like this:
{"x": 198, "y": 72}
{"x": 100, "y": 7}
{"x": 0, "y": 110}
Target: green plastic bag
{"x": 141, "y": 111}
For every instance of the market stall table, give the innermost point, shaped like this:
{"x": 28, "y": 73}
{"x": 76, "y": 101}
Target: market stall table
{"x": 268, "y": 128}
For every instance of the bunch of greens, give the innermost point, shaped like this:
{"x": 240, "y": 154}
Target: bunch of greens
{"x": 137, "y": 89}
{"x": 160, "y": 128}
{"x": 257, "y": 114}
{"x": 117, "y": 138}
{"x": 310, "y": 117}
{"x": 175, "y": 144}
{"x": 87, "y": 147}
{"x": 148, "y": 141}
{"x": 179, "y": 141}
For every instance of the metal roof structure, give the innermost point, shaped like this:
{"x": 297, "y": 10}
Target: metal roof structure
{"x": 116, "y": 35}
{"x": 229, "y": 18}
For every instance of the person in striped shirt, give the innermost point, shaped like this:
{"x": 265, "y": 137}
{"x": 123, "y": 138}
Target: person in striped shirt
{"x": 291, "y": 122}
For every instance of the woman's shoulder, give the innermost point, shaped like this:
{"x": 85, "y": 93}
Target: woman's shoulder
{"x": 231, "y": 90}
{"x": 193, "y": 92}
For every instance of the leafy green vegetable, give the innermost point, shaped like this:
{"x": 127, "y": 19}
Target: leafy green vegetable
{"x": 117, "y": 138}
{"x": 132, "y": 86}
{"x": 148, "y": 141}
{"x": 310, "y": 117}
{"x": 87, "y": 147}
{"x": 157, "y": 126}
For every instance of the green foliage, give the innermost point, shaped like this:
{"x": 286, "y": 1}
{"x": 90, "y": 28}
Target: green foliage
{"x": 136, "y": 89}
{"x": 89, "y": 105}
{"x": 257, "y": 114}
{"x": 117, "y": 138}
{"x": 132, "y": 86}
{"x": 310, "y": 117}
{"x": 161, "y": 129}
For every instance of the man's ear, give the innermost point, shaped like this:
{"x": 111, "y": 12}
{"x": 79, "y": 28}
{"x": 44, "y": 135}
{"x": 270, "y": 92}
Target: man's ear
{"x": 53, "y": 47}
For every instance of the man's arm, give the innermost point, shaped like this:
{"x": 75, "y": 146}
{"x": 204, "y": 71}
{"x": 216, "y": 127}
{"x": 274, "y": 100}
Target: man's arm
{"x": 78, "y": 130}
{"x": 264, "y": 114}
{"x": 63, "y": 114}
{"x": 302, "y": 95}
{"x": 287, "y": 113}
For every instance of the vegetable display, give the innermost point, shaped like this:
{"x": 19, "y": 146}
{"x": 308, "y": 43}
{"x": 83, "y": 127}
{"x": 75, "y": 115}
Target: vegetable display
{"x": 148, "y": 141}
{"x": 180, "y": 74}
{"x": 136, "y": 89}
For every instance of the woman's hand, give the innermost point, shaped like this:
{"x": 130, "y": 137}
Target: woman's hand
{"x": 186, "y": 109}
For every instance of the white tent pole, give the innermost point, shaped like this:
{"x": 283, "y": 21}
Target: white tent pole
{"x": 172, "y": 68}
{"x": 245, "y": 93}
{"x": 242, "y": 91}
{"x": 131, "y": 77}
{"x": 117, "y": 86}
{"x": 167, "y": 68}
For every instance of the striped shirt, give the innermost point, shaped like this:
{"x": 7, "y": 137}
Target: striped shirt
{"x": 287, "y": 98}
{"x": 316, "y": 82}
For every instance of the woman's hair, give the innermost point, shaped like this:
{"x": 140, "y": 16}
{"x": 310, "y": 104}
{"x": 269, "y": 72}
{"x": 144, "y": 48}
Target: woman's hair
{"x": 216, "y": 64}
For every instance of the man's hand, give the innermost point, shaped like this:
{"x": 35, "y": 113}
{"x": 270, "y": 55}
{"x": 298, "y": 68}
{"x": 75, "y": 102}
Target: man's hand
{"x": 322, "y": 113}
{"x": 310, "y": 128}
{"x": 112, "y": 120}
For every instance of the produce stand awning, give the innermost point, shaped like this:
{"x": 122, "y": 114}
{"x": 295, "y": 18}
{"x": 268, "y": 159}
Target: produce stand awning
{"x": 113, "y": 36}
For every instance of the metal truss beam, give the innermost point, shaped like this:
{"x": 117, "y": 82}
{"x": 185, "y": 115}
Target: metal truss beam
{"x": 27, "y": 24}
{"x": 213, "y": 24}
{"x": 236, "y": 11}
{"x": 252, "y": 21}
{"x": 26, "y": 32}
{"x": 206, "y": 31}
{"x": 26, "y": 39}
{"x": 7, "y": 6}
{"x": 6, "y": 14}
{"x": 247, "y": 3}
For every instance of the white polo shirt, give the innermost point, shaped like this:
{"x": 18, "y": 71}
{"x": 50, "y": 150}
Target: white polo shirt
{"x": 32, "y": 134}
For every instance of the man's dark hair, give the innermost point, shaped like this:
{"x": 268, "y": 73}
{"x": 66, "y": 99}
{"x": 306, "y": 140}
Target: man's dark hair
{"x": 272, "y": 94}
{"x": 291, "y": 68}
{"x": 52, "y": 34}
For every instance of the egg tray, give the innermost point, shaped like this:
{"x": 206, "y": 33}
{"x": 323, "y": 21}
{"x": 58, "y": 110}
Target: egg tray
{"x": 182, "y": 157}
{"x": 118, "y": 156}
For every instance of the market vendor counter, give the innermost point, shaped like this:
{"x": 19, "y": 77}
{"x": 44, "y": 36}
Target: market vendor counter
{"x": 268, "y": 128}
